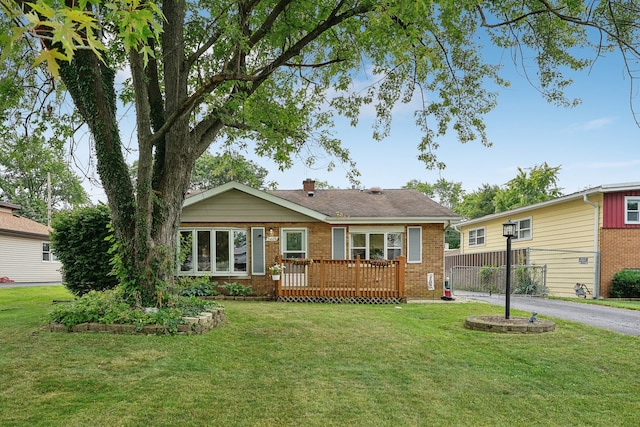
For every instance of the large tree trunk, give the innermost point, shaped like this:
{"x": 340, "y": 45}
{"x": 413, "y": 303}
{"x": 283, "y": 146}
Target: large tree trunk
{"x": 145, "y": 222}
{"x": 146, "y": 219}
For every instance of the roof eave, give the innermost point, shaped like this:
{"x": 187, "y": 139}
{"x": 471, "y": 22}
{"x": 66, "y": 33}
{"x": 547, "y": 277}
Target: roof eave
{"x": 24, "y": 234}
{"x": 398, "y": 220}
{"x": 562, "y": 199}
{"x": 256, "y": 193}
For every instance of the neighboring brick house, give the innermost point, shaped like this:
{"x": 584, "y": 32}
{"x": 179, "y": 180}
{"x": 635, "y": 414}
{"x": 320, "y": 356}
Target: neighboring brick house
{"x": 586, "y": 236}
{"x": 25, "y": 252}
{"x": 237, "y": 232}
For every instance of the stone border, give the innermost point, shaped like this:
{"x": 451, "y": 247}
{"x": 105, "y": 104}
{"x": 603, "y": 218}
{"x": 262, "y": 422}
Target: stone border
{"x": 513, "y": 325}
{"x": 204, "y": 322}
{"x": 237, "y": 298}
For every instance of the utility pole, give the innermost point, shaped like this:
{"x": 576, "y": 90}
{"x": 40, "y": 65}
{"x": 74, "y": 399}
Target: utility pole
{"x": 49, "y": 199}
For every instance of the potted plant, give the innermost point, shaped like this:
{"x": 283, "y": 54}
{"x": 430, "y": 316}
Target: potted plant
{"x": 275, "y": 271}
{"x": 380, "y": 262}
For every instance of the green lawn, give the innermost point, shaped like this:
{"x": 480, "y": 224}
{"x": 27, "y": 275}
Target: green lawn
{"x": 279, "y": 364}
{"x": 611, "y": 302}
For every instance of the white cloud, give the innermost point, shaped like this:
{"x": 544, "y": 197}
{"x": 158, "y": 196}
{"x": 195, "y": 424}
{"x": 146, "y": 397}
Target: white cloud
{"x": 595, "y": 124}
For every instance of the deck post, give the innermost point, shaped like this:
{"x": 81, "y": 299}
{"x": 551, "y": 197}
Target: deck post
{"x": 279, "y": 281}
{"x": 358, "y": 269}
{"x": 400, "y": 276}
{"x": 322, "y": 267}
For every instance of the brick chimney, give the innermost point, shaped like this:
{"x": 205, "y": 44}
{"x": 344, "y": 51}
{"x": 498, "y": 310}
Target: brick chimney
{"x": 309, "y": 186}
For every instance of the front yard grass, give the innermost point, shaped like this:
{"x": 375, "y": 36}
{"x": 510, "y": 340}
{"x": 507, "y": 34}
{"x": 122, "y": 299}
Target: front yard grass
{"x": 609, "y": 302}
{"x": 282, "y": 364}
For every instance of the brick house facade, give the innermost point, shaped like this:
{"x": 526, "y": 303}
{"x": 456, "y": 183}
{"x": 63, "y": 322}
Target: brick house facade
{"x": 329, "y": 223}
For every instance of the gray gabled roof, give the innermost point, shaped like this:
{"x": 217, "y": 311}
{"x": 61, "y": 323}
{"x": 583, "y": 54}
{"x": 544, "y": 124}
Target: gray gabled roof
{"x": 347, "y": 206}
{"x": 403, "y": 205}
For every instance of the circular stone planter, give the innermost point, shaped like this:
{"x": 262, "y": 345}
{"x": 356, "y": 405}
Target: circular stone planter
{"x": 513, "y": 325}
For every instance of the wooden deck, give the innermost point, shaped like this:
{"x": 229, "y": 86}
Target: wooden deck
{"x": 342, "y": 279}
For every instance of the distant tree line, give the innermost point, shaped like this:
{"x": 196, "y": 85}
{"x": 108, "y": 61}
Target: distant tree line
{"x": 531, "y": 185}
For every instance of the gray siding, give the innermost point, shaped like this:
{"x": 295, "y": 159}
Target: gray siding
{"x": 236, "y": 206}
{"x": 21, "y": 260}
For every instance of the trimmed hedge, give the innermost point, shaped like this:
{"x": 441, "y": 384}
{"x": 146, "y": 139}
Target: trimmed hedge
{"x": 78, "y": 239}
{"x": 626, "y": 284}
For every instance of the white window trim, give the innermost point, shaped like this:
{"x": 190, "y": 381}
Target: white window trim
{"x": 194, "y": 250}
{"x": 283, "y": 241}
{"x": 344, "y": 241}
{"x": 377, "y": 230}
{"x": 264, "y": 253}
{"x": 484, "y": 237}
{"x": 517, "y": 221}
{"x": 627, "y": 199}
{"x": 52, "y": 255}
{"x": 410, "y": 258}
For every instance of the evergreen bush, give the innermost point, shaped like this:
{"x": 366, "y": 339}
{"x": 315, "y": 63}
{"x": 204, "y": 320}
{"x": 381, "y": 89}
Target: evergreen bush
{"x": 78, "y": 239}
{"x": 626, "y": 284}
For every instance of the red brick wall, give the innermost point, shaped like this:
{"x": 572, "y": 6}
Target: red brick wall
{"x": 619, "y": 248}
{"x": 432, "y": 262}
{"x": 320, "y": 247}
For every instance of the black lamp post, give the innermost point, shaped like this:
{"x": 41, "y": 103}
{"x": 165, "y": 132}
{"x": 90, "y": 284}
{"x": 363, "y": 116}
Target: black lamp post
{"x": 508, "y": 231}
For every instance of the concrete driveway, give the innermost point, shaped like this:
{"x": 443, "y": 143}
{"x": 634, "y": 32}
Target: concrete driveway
{"x": 615, "y": 319}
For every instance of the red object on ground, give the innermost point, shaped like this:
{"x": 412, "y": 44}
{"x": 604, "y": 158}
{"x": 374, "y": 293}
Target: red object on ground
{"x": 5, "y": 279}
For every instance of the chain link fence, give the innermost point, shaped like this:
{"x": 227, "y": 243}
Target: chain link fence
{"x": 525, "y": 279}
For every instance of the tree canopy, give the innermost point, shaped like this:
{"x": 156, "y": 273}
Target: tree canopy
{"x": 33, "y": 132}
{"x": 211, "y": 171}
{"x": 276, "y": 72}
{"x": 479, "y": 202}
{"x": 534, "y": 185}
{"x": 30, "y": 170}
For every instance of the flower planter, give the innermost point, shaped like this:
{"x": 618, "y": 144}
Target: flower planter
{"x": 275, "y": 276}
{"x": 294, "y": 261}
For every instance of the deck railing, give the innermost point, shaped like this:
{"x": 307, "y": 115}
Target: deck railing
{"x": 331, "y": 278}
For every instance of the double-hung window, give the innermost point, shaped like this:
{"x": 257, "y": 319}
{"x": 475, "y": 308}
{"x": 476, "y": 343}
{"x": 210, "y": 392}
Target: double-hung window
{"x": 294, "y": 242}
{"x": 47, "y": 253}
{"x": 523, "y": 229}
{"x": 476, "y": 237}
{"x": 376, "y": 244}
{"x": 632, "y": 210}
{"x": 213, "y": 251}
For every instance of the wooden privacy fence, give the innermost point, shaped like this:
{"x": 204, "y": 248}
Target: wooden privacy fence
{"x": 342, "y": 279}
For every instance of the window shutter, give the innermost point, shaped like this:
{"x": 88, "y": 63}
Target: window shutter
{"x": 414, "y": 244}
{"x": 339, "y": 243}
{"x": 257, "y": 251}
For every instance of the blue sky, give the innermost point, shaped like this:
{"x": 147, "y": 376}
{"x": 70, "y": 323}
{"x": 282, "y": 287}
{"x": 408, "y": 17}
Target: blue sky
{"x": 597, "y": 142}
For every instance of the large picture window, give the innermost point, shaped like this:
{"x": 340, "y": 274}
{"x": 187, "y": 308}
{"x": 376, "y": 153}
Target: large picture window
{"x": 213, "y": 251}
{"x": 376, "y": 245}
{"x": 632, "y": 210}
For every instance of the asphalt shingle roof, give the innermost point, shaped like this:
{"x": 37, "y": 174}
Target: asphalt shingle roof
{"x": 397, "y": 203}
{"x": 11, "y": 223}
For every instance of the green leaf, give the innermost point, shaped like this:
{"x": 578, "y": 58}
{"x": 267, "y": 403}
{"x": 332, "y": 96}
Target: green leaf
{"x": 51, "y": 56}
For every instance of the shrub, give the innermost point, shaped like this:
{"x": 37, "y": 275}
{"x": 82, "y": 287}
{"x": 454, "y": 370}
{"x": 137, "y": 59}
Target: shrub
{"x": 199, "y": 287}
{"x": 236, "y": 289}
{"x": 528, "y": 282}
{"x": 489, "y": 277}
{"x": 78, "y": 239}
{"x": 626, "y": 284}
{"x": 110, "y": 307}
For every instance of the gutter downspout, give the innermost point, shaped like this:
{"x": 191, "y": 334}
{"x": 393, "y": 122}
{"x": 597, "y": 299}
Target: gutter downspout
{"x": 596, "y": 245}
